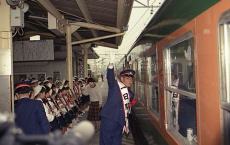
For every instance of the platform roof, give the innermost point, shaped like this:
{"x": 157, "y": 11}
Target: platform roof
{"x": 90, "y": 14}
{"x": 172, "y": 15}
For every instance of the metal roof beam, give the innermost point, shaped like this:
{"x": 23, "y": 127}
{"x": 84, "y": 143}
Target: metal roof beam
{"x": 98, "y": 27}
{"x": 98, "y": 38}
{"x": 84, "y": 9}
{"x": 74, "y": 28}
{"x": 78, "y": 36}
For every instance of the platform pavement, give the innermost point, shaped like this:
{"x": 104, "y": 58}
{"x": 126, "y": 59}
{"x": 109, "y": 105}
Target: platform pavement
{"x": 126, "y": 140}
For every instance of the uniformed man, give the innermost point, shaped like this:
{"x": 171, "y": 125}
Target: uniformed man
{"x": 114, "y": 114}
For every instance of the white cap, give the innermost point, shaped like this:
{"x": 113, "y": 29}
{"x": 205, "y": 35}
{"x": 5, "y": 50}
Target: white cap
{"x": 37, "y": 90}
{"x": 45, "y": 81}
{"x": 61, "y": 86}
{"x": 34, "y": 81}
{"x": 49, "y": 85}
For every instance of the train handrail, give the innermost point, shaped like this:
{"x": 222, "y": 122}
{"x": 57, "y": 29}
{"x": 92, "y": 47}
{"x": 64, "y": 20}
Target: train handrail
{"x": 188, "y": 94}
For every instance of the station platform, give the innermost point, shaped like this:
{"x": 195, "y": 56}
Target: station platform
{"x": 126, "y": 140}
{"x": 143, "y": 131}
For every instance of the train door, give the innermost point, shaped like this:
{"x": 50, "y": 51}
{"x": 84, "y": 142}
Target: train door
{"x": 224, "y": 39}
{"x": 180, "y": 90}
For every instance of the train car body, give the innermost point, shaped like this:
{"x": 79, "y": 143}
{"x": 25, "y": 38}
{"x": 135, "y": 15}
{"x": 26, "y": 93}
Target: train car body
{"x": 182, "y": 77}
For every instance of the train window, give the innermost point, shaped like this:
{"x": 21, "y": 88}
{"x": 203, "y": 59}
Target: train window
{"x": 140, "y": 80}
{"x": 143, "y": 69}
{"x": 139, "y": 70}
{"x": 225, "y": 57}
{"x": 224, "y": 54}
{"x": 180, "y": 88}
{"x": 181, "y": 60}
{"x": 152, "y": 82}
{"x": 142, "y": 91}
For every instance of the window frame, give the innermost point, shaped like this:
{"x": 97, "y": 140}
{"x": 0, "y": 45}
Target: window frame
{"x": 169, "y": 89}
{"x": 167, "y": 66}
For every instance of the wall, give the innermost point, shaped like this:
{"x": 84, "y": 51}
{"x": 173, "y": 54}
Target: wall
{"x": 44, "y": 67}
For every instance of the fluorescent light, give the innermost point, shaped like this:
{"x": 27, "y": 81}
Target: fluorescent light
{"x": 35, "y": 37}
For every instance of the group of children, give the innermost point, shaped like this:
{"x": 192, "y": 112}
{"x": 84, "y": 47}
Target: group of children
{"x": 43, "y": 107}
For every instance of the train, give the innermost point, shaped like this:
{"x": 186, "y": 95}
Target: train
{"x": 182, "y": 61}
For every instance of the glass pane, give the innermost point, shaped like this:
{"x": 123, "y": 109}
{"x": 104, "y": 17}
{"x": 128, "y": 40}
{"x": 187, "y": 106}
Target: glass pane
{"x": 143, "y": 69}
{"x": 149, "y": 70}
{"x": 154, "y": 70}
{"x": 225, "y": 62}
{"x": 139, "y": 69}
{"x": 182, "y": 66}
{"x": 181, "y": 109}
{"x": 142, "y": 92}
{"x": 224, "y": 31}
{"x": 223, "y": 70}
{"x": 181, "y": 113}
{"x": 154, "y": 82}
{"x": 155, "y": 98}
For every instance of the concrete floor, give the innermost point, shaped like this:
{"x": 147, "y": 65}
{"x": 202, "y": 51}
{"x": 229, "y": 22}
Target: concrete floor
{"x": 126, "y": 140}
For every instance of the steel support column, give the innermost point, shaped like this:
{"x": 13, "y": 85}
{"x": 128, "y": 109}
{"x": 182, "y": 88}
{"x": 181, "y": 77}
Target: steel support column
{"x": 6, "y": 60}
{"x": 85, "y": 61}
{"x": 69, "y": 61}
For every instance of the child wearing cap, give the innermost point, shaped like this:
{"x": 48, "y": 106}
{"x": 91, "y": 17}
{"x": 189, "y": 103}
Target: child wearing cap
{"x": 29, "y": 114}
{"x": 39, "y": 93}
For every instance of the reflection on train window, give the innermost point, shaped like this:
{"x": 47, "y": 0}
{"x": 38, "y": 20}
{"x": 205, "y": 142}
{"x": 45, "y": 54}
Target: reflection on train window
{"x": 141, "y": 78}
{"x": 225, "y": 57}
{"x": 142, "y": 92}
{"x": 135, "y": 66}
{"x": 224, "y": 34}
{"x": 153, "y": 83}
{"x": 182, "y": 60}
{"x": 139, "y": 70}
{"x": 180, "y": 88}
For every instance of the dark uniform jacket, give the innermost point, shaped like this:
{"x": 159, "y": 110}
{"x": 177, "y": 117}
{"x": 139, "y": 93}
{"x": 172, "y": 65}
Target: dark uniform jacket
{"x": 113, "y": 108}
{"x": 30, "y": 116}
